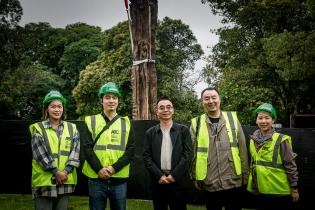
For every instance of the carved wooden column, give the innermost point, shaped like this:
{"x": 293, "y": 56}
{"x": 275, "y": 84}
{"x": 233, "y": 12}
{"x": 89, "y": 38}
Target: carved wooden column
{"x": 143, "y": 15}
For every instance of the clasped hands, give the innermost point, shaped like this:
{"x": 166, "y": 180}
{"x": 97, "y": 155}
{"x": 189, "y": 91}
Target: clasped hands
{"x": 166, "y": 179}
{"x": 61, "y": 177}
{"x": 106, "y": 172}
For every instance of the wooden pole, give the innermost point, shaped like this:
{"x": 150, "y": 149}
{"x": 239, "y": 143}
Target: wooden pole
{"x": 143, "y": 15}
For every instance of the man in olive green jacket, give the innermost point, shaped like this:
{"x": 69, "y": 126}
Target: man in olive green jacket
{"x": 220, "y": 165}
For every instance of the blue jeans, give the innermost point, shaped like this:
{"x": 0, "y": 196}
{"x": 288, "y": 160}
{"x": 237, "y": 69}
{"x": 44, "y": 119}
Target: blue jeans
{"x": 100, "y": 190}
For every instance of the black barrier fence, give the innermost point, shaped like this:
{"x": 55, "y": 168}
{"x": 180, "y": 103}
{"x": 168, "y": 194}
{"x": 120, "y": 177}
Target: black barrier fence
{"x": 15, "y": 153}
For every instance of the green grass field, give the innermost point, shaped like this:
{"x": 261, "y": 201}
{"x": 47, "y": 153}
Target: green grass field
{"x": 25, "y": 202}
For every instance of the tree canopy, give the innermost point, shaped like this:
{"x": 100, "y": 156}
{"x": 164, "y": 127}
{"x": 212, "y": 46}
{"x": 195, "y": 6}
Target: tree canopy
{"x": 115, "y": 61}
{"x": 78, "y": 59}
{"x": 22, "y": 91}
{"x": 265, "y": 54}
{"x": 10, "y": 14}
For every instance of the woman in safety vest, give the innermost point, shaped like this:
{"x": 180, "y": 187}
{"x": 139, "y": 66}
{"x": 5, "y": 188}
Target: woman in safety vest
{"x": 55, "y": 147}
{"x": 273, "y": 174}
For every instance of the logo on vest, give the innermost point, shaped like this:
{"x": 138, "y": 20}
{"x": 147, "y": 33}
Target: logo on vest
{"x": 115, "y": 132}
{"x": 68, "y": 142}
{"x": 265, "y": 148}
{"x": 114, "y": 135}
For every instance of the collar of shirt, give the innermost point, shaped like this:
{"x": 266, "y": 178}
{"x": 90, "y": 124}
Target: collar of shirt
{"x": 208, "y": 120}
{"x": 158, "y": 127}
{"x": 105, "y": 117}
{"x": 215, "y": 127}
{"x": 47, "y": 124}
{"x": 260, "y": 138}
{"x": 168, "y": 129}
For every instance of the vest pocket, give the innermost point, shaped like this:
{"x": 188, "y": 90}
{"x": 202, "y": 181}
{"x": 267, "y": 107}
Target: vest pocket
{"x": 226, "y": 165}
{"x": 273, "y": 181}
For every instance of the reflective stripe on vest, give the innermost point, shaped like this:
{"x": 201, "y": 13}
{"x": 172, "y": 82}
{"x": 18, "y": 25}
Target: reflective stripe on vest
{"x": 110, "y": 146}
{"x": 232, "y": 130}
{"x": 203, "y": 143}
{"x": 59, "y": 151}
{"x": 268, "y": 166}
{"x": 93, "y": 126}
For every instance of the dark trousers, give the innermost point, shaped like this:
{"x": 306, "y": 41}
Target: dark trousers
{"x": 229, "y": 199}
{"x": 49, "y": 203}
{"x": 273, "y": 202}
{"x": 168, "y": 195}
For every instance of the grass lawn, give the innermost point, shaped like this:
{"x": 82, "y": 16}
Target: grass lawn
{"x": 25, "y": 202}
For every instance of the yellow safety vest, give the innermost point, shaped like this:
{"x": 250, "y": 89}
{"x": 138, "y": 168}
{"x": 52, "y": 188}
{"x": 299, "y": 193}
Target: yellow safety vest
{"x": 267, "y": 163}
{"x": 202, "y": 139}
{"x": 110, "y": 146}
{"x": 60, "y": 151}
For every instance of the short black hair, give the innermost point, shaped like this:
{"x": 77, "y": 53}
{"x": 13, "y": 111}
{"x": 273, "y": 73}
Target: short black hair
{"x": 209, "y": 88}
{"x": 164, "y": 98}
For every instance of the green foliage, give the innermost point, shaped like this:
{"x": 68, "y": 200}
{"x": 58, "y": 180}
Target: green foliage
{"x": 83, "y": 46}
{"x": 263, "y": 17}
{"x": 22, "y": 92}
{"x": 51, "y": 53}
{"x": 292, "y": 55}
{"x": 177, "y": 53}
{"x": 186, "y": 103}
{"x": 78, "y": 31}
{"x": 10, "y": 13}
{"x": 11, "y": 48}
{"x": 237, "y": 95}
{"x": 76, "y": 57}
{"x": 25, "y": 202}
{"x": 265, "y": 55}
{"x": 49, "y": 45}
{"x": 35, "y": 39}
{"x": 80, "y": 58}
{"x": 113, "y": 65}
{"x": 39, "y": 43}
{"x": 232, "y": 50}
{"x": 64, "y": 51}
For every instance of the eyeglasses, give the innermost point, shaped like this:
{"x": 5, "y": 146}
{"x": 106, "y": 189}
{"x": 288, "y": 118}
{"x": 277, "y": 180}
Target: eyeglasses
{"x": 162, "y": 108}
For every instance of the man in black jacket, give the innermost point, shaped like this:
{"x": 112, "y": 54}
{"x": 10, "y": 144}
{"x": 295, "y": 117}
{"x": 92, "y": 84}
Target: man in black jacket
{"x": 167, "y": 155}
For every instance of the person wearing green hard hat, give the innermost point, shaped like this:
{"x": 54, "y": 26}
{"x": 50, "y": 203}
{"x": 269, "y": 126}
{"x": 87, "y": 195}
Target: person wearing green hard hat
{"x": 109, "y": 150}
{"x": 109, "y": 87}
{"x": 273, "y": 175}
{"x": 55, "y": 147}
{"x": 266, "y": 107}
{"x": 52, "y": 96}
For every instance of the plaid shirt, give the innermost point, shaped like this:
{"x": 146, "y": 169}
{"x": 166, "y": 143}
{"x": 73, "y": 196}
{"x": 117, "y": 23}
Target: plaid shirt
{"x": 46, "y": 161}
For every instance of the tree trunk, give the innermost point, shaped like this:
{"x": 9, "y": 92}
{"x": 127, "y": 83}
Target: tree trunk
{"x": 143, "y": 15}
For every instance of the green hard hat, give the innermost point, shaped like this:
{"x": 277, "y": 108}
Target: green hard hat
{"x": 53, "y": 95}
{"x": 266, "y": 107}
{"x": 109, "y": 87}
